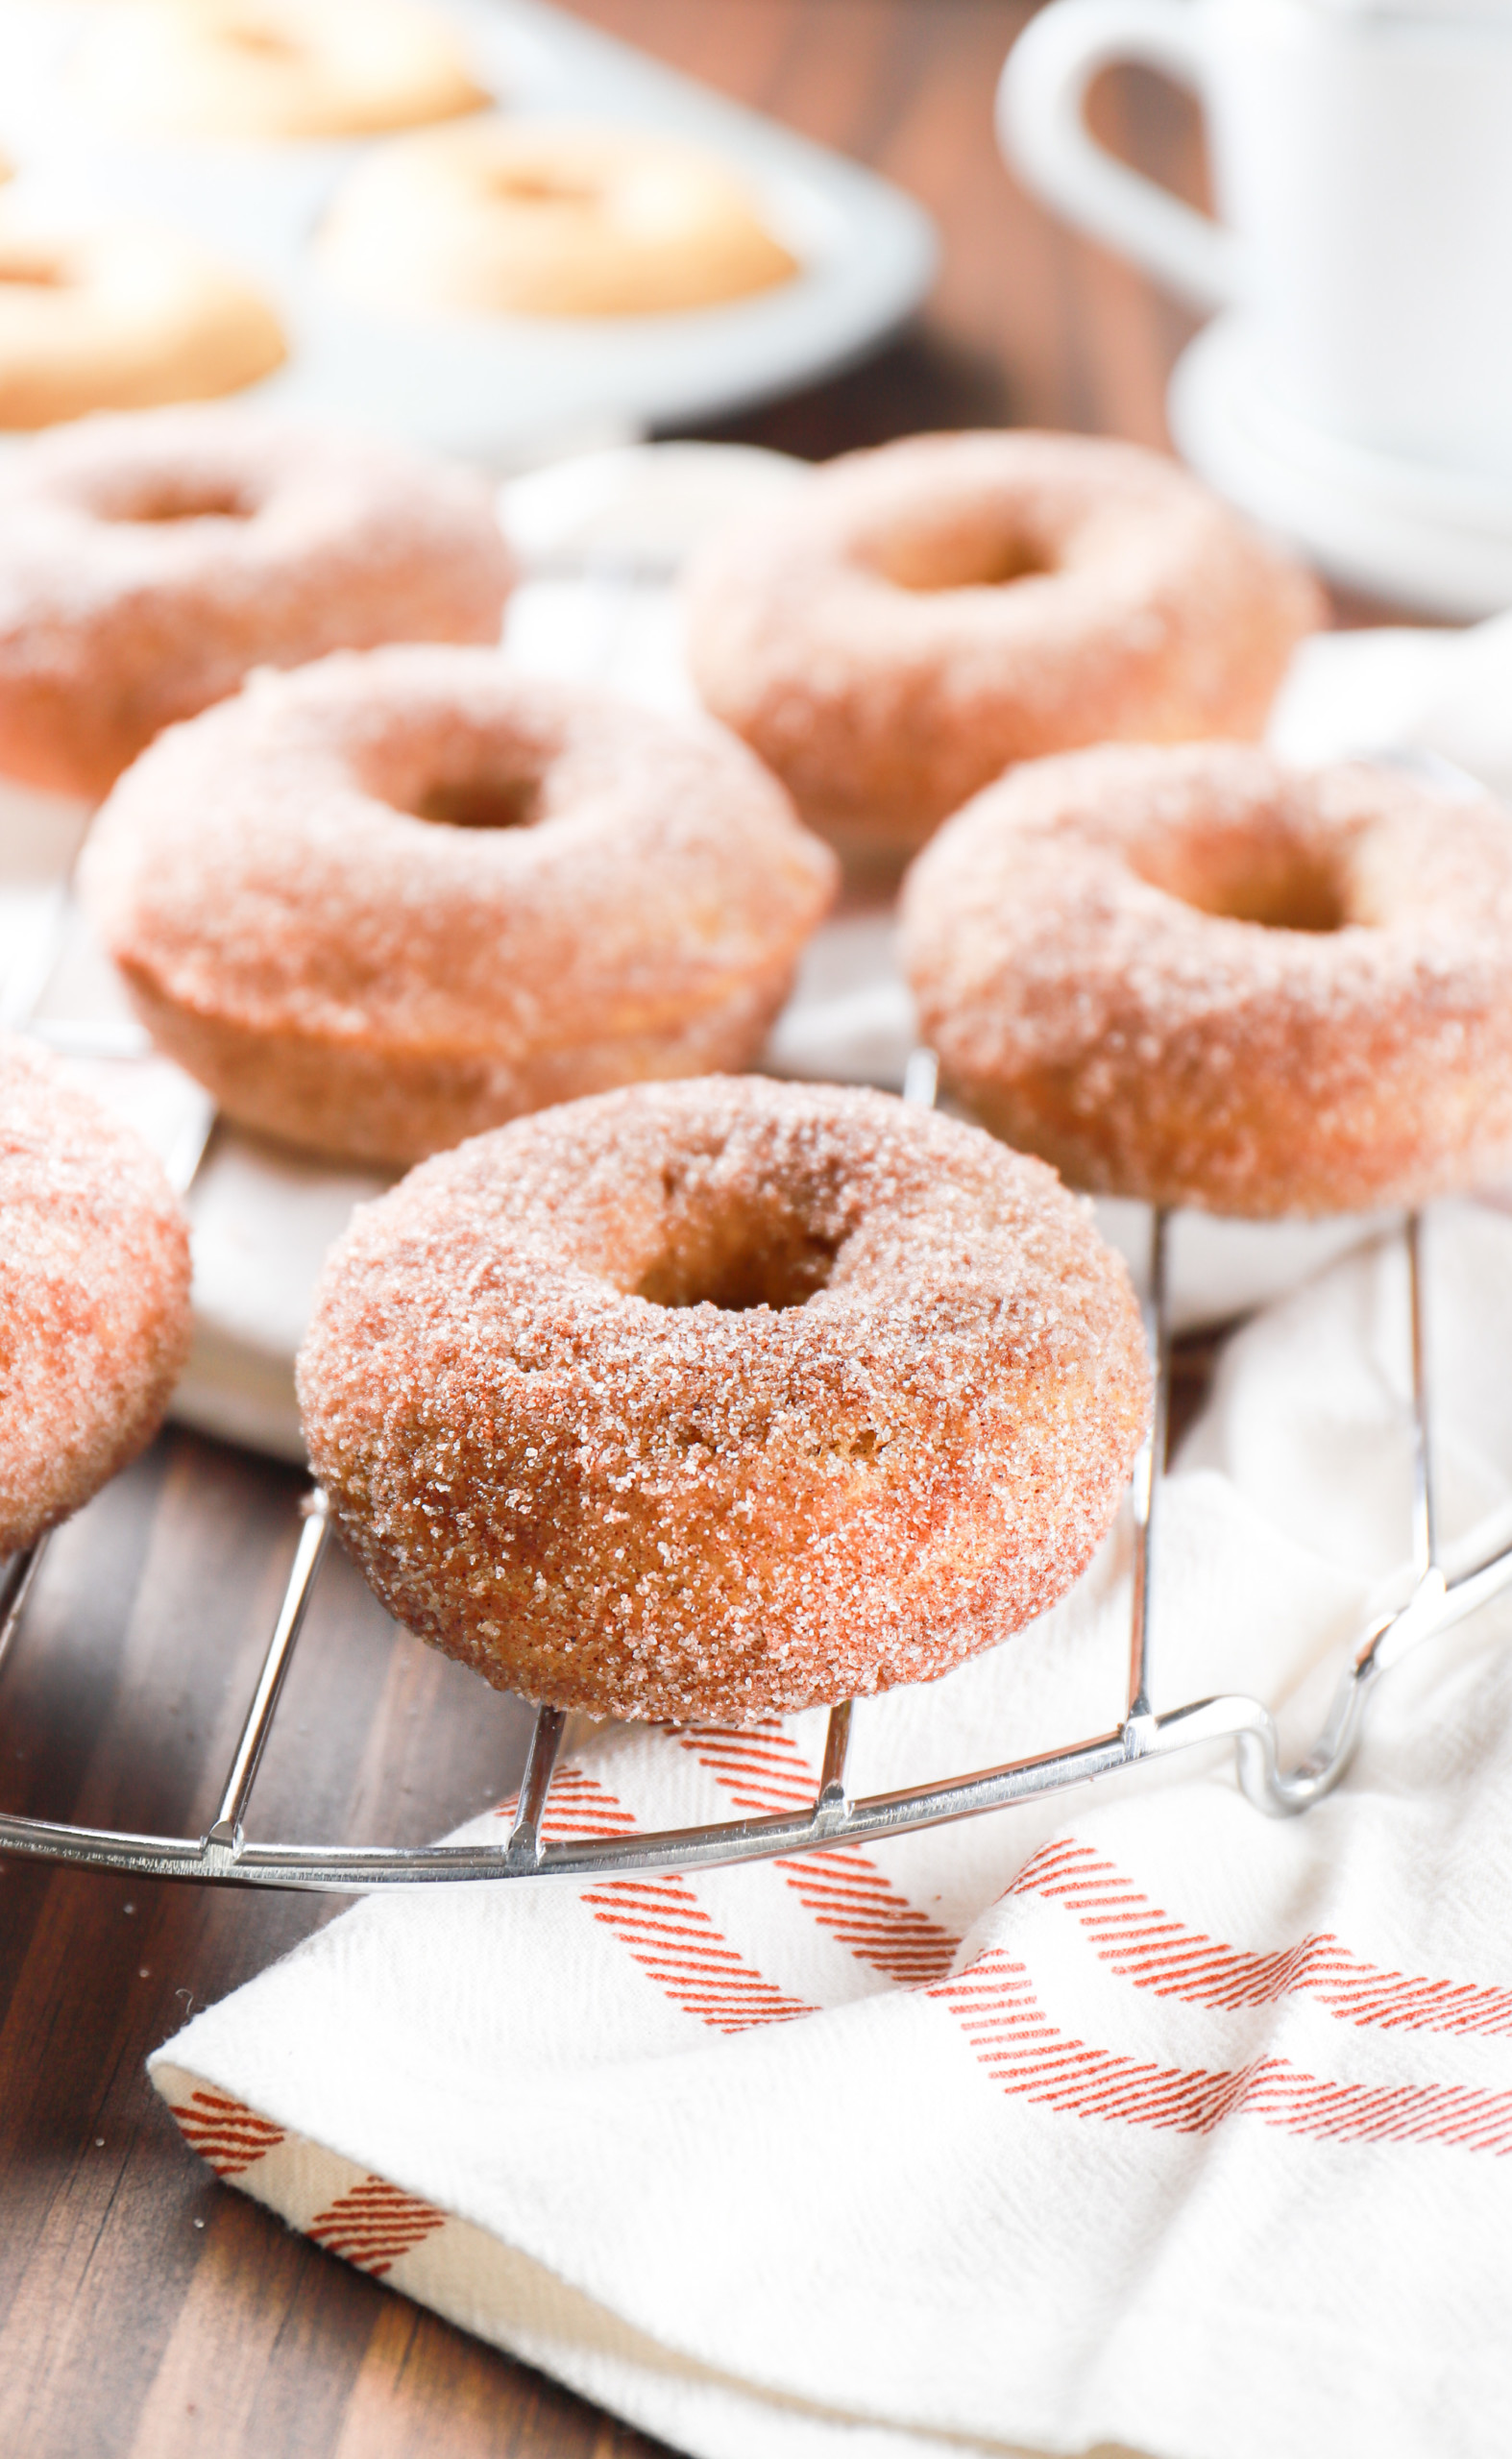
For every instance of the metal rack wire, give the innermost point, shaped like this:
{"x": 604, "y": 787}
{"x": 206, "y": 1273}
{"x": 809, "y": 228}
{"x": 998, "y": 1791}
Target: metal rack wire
{"x": 1142, "y": 1736}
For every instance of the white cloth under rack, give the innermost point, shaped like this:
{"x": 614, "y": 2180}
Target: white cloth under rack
{"x": 1133, "y": 2119}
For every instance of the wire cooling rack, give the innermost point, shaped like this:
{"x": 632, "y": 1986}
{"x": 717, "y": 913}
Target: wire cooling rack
{"x": 1142, "y": 1738}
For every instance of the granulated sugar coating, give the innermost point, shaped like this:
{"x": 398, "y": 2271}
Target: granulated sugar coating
{"x": 1198, "y": 977}
{"x": 150, "y": 559}
{"x": 706, "y": 1399}
{"x": 389, "y": 901}
{"x": 912, "y": 619}
{"x": 94, "y": 1295}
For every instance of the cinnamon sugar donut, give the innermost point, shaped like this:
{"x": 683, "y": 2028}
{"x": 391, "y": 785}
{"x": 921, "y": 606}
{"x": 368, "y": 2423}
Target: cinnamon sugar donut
{"x": 539, "y": 218}
{"x": 273, "y": 68}
{"x": 915, "y": 619}
{"x": 389, "y": 900}
{"x": 710, "y": 1399}
{"x": 121, "y": 315}
{"x": 1199, "y": 977}
{"x": 94, "y": 1295}
{"x": 148, "y": 562}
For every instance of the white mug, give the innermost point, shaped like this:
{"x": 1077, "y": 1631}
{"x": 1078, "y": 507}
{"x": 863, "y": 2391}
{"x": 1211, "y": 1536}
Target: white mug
{"x": 1362, "y": 163}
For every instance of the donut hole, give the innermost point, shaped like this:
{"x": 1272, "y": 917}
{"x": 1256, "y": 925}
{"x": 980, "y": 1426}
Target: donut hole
{"x": 156, "y": 501}
{"x": 478, "y": 802}
{"x": 258, "y": 42}
{"x": 737, "y": 1259}
{"x": 34, "y": 271}
{"x": 545, "y": 188}
{"x": 161, "y": 497}
{"x": 980, "y": 563}
{"x": 1283, "y": 885}
{"x": 926, "y": 557}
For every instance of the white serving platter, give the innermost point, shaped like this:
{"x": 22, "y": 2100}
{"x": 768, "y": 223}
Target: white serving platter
{"x": 504, "y": 390}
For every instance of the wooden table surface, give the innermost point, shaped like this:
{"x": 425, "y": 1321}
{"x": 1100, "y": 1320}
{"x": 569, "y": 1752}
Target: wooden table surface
{"x": 145, "y": 2309}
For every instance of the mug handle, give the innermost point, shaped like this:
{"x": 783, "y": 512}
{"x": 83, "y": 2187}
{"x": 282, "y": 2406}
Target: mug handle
{"x": 1042, "y": 131}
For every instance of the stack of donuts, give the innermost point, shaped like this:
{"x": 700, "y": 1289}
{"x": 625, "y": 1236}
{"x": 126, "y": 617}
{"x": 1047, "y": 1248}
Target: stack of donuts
{"x": 660, "y": 1388}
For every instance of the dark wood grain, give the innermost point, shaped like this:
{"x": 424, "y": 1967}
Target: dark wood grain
{"x": 145, "y": 2311}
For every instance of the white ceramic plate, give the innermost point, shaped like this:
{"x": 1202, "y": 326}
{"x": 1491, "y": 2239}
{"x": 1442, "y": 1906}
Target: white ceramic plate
{"x": 1397, "y": 527}
{"x": 495, "y": 390}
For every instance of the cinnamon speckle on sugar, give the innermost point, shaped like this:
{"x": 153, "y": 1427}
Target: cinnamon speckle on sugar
{"x": 916, "y": 617}
{"x": 1193, "y": 975}
{"x": 721, "y": 1397}
{"x": 94, "y": 1295}
{"x": 344, "y": 972}
{"x": 151, "y": 559}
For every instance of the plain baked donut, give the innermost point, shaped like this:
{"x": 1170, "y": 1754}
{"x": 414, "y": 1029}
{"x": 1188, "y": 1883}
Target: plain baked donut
{"x": 913, "y": 620}
{"x": 148, "y": 563}
{"x": 94, "y": 1295}
{"x": 385, "y": 902}
{"x": 271, "y": 69}
{"x": 530, "y": 218}
{"x": 121, "y": 315}
{"x": 708, "y": 1399}
{"x": 1199, "y": 977}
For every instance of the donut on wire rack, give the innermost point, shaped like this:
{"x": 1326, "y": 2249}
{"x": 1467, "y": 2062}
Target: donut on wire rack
{"x": 1194, "y": 975}
{"x": 912, "y": 619}
{"x": 94, "y": 1295}
{"x": 710, "y": 1399}
{"x": 384, "y": 902}
{"x": 148, "y": 562}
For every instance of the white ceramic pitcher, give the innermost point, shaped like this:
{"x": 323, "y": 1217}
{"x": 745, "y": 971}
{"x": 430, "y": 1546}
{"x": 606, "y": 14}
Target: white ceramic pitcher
{"x": 1363, "y": 164}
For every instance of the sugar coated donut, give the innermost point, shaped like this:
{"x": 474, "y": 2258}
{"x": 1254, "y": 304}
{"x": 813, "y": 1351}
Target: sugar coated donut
{"x": 707, "y": 1400}
{"x": 390, "y": 900}
{"x": 120, "y": 315}
{"x": 1193, "y": 975}
{"x": 530, "y": 218}
{"x": 914, "y": 619}
{"x": 94, "y": 1295}
{"x": 271, "y": 69}
{"x": 147, "y": 564}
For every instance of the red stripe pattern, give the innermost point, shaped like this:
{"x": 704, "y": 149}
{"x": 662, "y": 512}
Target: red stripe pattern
{"x": 847, "y": 1895}
{"x": 578, "y": 1805}
{"x": 1030, "y": 2058}
{"x": 1157, "y": 1952}
{"x": 763, "y": 1769}
{"x": 661, "y": 1921}
{"x": 374, "y": 2224}
{"x": 760, "y": 1766}
{"x": 673, "y": 1940}
{"x": 225, "y": 2131}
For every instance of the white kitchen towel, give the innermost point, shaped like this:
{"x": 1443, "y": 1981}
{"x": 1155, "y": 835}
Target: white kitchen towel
{"x": 1444, "y": 692}
{"x": 1133, "y": 2117}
